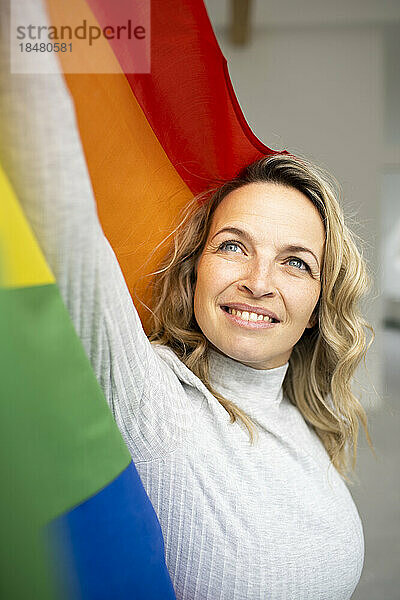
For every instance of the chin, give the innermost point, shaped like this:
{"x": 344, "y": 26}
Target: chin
{"x": 252, "y": 357}
{"x": 242, "y": 355}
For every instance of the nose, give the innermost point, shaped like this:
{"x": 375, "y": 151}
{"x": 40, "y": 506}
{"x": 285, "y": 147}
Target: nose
{"x": 259, "y": 280}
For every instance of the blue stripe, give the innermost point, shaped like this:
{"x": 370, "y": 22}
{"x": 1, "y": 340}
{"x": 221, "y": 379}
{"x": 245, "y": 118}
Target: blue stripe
{"x": 111, "y": 546}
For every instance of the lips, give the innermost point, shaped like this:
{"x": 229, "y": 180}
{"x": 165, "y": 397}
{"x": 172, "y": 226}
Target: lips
{"x": 251, "y": 313}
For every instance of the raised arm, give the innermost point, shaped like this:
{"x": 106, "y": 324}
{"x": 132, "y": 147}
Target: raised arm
{"x": 42, "y": 155}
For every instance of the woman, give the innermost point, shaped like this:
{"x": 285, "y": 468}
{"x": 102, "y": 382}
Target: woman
{"x": 258, "y": 298}
{"x": 239, "y": 415}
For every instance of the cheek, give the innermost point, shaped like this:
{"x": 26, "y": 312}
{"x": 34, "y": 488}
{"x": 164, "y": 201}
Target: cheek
{"x": 204, "y": 289}
{"x": 213, "y": 278}
{"x": 303, "y": 302}
{"x": 203, "y": 279}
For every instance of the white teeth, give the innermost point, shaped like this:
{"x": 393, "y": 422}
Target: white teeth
{"x": 249, "y": 316}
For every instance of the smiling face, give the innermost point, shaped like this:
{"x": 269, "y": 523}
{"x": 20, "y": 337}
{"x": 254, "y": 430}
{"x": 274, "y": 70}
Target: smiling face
{"x": 258, "y": 277}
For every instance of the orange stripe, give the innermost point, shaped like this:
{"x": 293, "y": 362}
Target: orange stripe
{"x": 138, "y": 191}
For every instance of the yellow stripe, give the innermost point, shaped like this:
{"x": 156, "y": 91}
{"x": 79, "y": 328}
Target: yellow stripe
{"x": 22, "y": 262}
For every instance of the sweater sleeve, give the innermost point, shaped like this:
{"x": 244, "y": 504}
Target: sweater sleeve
{"x": 42, "y": 154}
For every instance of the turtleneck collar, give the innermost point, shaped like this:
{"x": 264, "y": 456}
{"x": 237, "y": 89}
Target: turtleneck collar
{"x": 253, "y": 390}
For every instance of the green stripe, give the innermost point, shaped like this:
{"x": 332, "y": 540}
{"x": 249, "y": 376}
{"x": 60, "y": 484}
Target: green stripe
{"x": 60, "y": 444}
{"x": 54, "y": 404}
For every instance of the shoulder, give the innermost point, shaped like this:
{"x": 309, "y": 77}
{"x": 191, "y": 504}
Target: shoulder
{"x": 184, "y": 374}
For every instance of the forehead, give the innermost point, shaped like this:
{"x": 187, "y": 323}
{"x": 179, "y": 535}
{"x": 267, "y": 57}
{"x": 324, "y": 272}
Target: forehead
{"x": 271, "y": 210}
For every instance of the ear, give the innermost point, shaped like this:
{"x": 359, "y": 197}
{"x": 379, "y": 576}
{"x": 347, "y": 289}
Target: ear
{"x": 196, "y": 264}
{"x": 313, "y": 319}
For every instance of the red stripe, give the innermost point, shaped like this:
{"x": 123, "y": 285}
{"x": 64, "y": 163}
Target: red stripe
{"x": 188, "y": 98}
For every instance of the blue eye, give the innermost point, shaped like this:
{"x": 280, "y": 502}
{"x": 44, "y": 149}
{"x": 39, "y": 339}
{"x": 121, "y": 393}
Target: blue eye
{"x": 299, "y": 264}
{"x": 230, "y": 246}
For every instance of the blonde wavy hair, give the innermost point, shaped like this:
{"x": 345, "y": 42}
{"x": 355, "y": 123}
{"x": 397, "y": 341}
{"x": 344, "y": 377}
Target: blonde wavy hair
{"x": 322, "y": 363}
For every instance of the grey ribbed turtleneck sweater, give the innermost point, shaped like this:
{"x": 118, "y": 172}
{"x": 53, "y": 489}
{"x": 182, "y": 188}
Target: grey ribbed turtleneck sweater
{"x": 272, "y": 520}
{"x": 266, "y": 521}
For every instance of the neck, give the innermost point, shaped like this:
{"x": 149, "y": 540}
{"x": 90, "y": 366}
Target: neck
{"x": 250, "y": 388}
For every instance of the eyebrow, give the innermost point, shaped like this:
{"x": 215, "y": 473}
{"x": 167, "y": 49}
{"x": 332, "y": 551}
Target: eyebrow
{"x": 246, "y": 236}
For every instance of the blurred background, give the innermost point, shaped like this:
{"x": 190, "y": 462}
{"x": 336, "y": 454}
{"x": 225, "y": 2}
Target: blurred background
{"x": 322, "y": 79}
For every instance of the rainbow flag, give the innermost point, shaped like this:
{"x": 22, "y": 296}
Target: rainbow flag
{"x": 75, "y": 521}
{"x": 153, "y": 140}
